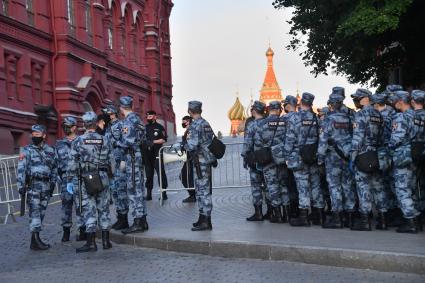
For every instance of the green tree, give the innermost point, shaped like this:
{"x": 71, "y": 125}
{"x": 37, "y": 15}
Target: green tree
{"x": 365, "y": 40}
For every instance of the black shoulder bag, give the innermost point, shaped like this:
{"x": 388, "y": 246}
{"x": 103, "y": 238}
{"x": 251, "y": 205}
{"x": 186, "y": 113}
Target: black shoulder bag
{"x": 217, "y": 148}
{"x": 418, "y": 147}
{"x": 368, "y": 162}
{"x": 92, "y": 180}
{"x": 308, "y": 152}
{"x": 264, "y": 156}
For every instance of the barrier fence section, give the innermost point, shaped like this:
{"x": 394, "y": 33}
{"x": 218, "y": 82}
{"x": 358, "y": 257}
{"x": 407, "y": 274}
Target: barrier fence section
{"x": 9, "y": 195}
{"x": 229, "y": 173}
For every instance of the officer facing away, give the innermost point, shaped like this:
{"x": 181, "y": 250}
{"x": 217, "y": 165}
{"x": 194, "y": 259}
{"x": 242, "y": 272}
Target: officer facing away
{"x": 187, "y": 177}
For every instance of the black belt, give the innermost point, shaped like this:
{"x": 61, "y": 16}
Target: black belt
{"x": 42, "y": 179}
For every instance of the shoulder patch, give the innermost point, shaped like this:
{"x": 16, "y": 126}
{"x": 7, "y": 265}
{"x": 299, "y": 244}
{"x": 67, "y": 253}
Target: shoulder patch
{"x": 93, "y": 141}
{"x": 395, "y": 125}
{"x": 21, "y": 156}
{"x": 125, "y": 130}
{"x": 354, "y": 125}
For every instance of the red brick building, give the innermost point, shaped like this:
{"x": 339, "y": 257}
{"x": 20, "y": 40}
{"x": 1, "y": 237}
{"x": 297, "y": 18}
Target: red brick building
{"x": 64, "y": 57}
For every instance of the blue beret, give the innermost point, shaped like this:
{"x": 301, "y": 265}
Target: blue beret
{"x": 70, "y": 121}
{"x": 307, "y": 98}
{"x": 361, "y": 92}
{"x": 339, "y": 90}
{"x": 195, "y": 105}
{"x": 89, "y": 117}
{"x": 335, "y": 98}
{"x": 38, "y": 128}
{"x": 126, "y": 101}
{"x": 259, "y": 106}
{"x": 393, "y": 88}
{"x": 292, "y": 100}
{"x": 402, "y": 95}
{"x": 418, "y": 95}
{"x": 323, "y": 110}
{"x": 379, "y": 98}
{"x": 275, "y": 105}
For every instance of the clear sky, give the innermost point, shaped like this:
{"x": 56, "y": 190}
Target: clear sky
{"x": 218, "y": 48}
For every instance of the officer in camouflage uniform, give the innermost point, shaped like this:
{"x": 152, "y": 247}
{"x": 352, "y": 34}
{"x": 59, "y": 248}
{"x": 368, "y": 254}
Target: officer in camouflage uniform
{"x": 133, "y": 135}
{"x": 256, "y": 176}
{"x": 199, "y": 137}
{"x": 400, "y": 145}
{"x": 118, "y": 184}
{"x": 367, "y": 136}
{"x": 322, "y": 113}
{"x": 62, "y": 148}
{"x": 37, "y": 174}
{"x": 302, "y": 133}
{"x": 91, "y": 152}
{"x": 344, "y": 109}
{"x": 333, "y": 151}
{"x": 271, "y": 133}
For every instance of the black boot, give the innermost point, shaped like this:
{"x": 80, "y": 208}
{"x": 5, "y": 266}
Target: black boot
{"x": 268, "y": 212}
{"x": 66, "y": 234}
{"x": 136, "y": 227}
{"x": 285, "y": 213}
{"x": 394, "y": 217}
{"x": 198, "y": 221}
{"x": 293, "y": 209}
{"x": 409, "y": 226}
{"x": 317, "y": 216}
{"x": 258, "y": 214}
{"x": 301, "y": 220}
{"x": 419, "y": 224}
{"x": 203, "y": 224}
{"x": 145, "y": 223}
{"x": 276, "y": 216}
{"x": 164, "y": 196}
{"x": 348, "y": 219}
{"x": 82, "y": 236}
{"x": 122, "y": 222}
{"x": 105, "y": 240}
{"x": 149, "y": 194}
{"x": 189, "y": 199}
{"x": 36, "y": 243}
{"x": 381, "y": 221}
{"x": 90, "y": 245}
{"x": 362, "y": 223}
{"x": 209, "y": 222}
{"x": 333, "y": 222}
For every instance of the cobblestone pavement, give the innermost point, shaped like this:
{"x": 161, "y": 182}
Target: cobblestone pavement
{"x": 128, "y": 264}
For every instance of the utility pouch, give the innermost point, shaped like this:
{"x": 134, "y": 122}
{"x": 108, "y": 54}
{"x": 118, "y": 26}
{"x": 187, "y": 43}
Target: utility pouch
{"x": 368, "y": 162}
{"x": 93, "y": 182}
{"x": 217, "y": 148}
{"x": 418, "y": 152}
{"x": 308, "y": 153}
{"x": 263, "y": 156}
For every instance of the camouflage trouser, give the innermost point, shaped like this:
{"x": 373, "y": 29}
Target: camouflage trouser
{"x": 369, "y": 187}
{"x": 292, "y": 185}
{"x": 96, "y": 210}
{"x": 203, "y": 190}
{"x": 340, "y": 184}
{"x": 37, "y": 199}
{"x": 308, "y": 186}
{"x": 283, "y": 176}
{"x": 136, "y": 191}
{"x": 389, "y": 188}
{"x": 273, "y": 183}
{"x": 256, "y": 178}
{"x": 403, "y": 188}
{"x": 420, "y": 188}
{"x": 68, "y": 200}
{"x": 119, "y": 191}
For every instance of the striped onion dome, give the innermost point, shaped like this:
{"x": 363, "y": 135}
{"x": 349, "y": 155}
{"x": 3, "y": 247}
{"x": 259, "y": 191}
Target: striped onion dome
{"x": 237, "y": 112}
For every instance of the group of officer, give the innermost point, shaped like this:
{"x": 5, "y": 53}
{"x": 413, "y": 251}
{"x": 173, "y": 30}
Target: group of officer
{"x": 330, "y": 169}
{"x": 107, "y": 160}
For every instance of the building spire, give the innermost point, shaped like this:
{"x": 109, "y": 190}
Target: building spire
{"x": 270, "y": 90}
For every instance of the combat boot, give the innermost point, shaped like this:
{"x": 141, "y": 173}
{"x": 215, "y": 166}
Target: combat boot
{"x": 362, "y": 223}
{"x": 198, "y": 221}
{"x": 419, "y": 224}
{"x": 301, "y": 220}
{"x": 285, "y": 213}
{"x": 149, "y": 194}
{"x": 164, "y": 196}
{"x": 409, "y": 226}
{"x": 268, "y": 212}
{"x": 136, "y": 227}
{"x": 122, "y": 222}
{"x": 145, "y": 223}
{"x": 90, "y": 245}
{"x": 316, "y": 216}
{"x": 293, "y": 209}
{"x": 82, "y": 236}
{"x": 334, "y": 222}
{"x": 105, "y": 240}
{"x": 381, "y": 221}
{"x": 189, "y": 199}
{"x": 348, "y": 219}
{"x": 203, "y": 224}
{"x": 394, "y": 217}
{"x": 36, "y": 243}
{"x": 66, "y": 234}
{"x": 258, "y": 214}
{"x": 276, "y": 216}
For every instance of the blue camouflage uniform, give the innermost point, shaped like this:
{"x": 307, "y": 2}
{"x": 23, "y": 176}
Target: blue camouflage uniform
{"x": 333, "y": 151}
{"x": 37, "y": 165}
{"x": 62, "y": 148}
{"x": 199, "y": 137}
{"x": 400, "y": 145}
{"x": 367, "y": 136}
{"x": 303, "y": 129}
{"x": 133, "y": 134}
{"x": 91, "y": 152}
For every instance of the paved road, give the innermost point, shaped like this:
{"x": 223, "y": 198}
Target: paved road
{"x": 127, "y": 264}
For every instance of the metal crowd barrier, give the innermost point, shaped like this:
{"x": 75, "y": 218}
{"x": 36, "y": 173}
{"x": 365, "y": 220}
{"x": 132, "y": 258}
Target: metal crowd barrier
{"x": 228, "y": 174}
{"x": 9, "y": 194}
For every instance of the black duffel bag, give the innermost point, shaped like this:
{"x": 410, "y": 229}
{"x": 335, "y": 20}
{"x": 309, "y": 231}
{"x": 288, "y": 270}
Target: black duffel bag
{"x": 308, "y": 153}
{"x": 217, "y": 148}
{"x": 418, "y": 152}
{"x": 92, "y": 182}
{"x": 368, "y": 162}
{"x": 263, "y": 156}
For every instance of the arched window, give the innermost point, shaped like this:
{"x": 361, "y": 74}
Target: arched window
{"x": 110, "y": 37}
{"x": 71, "y": 16}
{"x": 88, "y": 21}
{"x": 30, "y": 12}
{"x": 5, "y": 7}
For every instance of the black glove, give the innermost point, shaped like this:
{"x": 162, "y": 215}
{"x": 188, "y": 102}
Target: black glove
{"x": 22, "y": 191}
{"x": 52, "y": 188}
{"x": 245, "y": 164}
{"x": 331, "y": 142}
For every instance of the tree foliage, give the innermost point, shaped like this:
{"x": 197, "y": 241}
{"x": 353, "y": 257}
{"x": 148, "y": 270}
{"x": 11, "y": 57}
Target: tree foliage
{"x": 361, "y": 39}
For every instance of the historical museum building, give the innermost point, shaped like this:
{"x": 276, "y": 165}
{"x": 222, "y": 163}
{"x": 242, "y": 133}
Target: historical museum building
{"x": 61, "y": 58}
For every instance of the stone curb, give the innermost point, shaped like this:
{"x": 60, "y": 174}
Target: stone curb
{"x": 361, "y": 259}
